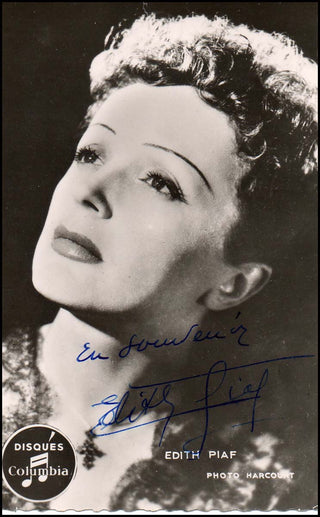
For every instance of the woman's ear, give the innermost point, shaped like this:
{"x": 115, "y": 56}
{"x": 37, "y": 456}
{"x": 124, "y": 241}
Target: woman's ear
{"x": 237, "y": 285}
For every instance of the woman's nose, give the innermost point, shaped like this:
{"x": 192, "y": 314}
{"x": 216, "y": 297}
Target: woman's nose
{"x": 98, "y": 190}
{"x": 92, "y": 195}
{"x": 97, "y": 202}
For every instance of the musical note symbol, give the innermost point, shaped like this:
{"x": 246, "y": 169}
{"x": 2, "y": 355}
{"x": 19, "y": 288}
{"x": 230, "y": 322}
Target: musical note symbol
{"x": 36, "y": 461}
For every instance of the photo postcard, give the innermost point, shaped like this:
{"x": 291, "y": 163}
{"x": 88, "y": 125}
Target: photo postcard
{"x": 159, "y": 256}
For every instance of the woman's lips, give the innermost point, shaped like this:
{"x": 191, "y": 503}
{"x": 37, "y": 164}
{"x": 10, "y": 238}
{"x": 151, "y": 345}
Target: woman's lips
{"x": 75, "y": 246}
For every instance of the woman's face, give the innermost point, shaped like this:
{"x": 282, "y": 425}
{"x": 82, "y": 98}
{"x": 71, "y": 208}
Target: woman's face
{"x": 141, "y": 215}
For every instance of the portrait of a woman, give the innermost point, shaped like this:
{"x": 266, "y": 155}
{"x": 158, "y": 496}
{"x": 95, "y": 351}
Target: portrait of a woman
{"x": 178, "y": 252}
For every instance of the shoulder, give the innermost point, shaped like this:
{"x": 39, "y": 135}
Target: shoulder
{"x": 23, "y": 385}
{"x": 23, "y": 389}
{"x": 17, "y": 348}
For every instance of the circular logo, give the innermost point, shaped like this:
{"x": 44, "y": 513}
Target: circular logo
{"x": 38, "y": 462}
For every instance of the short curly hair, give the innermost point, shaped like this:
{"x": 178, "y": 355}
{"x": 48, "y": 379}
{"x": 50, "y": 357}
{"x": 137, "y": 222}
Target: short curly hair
{"x": 262, "y": 82}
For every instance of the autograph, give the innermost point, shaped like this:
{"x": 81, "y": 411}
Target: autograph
{"x": 143, "y": 344}
{"x": 119, "y": 411}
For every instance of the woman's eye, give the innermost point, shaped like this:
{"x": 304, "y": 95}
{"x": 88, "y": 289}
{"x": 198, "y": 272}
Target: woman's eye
{"x": 164, "y": 186}
{"x": 87, "y": 155}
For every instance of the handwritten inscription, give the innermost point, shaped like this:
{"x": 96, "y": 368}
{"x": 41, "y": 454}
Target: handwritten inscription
{"x": 92, "y": 356}
{"x": 141, "y": 345}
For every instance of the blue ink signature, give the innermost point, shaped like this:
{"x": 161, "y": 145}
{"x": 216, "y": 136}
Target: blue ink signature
{"x": 83, "y": 356}
{"x": 120, "y": 412}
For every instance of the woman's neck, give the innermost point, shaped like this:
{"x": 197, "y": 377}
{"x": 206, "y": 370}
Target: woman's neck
{"x": 78, "y": 381}
{"x": 73, "y": 361}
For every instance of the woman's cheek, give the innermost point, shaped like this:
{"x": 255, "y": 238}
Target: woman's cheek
{"x": 161, "y": 229}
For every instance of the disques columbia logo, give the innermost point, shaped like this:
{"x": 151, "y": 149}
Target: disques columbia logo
{"x": 38, "y": 463}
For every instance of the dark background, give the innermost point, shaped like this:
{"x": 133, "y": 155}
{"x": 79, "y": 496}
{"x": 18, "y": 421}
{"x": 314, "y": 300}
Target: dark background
{"x": 47, "y": 50}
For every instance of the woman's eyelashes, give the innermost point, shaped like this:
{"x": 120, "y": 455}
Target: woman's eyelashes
{"x": 165, "y": 186}
{"x": 87, "y": 154}
{"x": 157, "y": 181}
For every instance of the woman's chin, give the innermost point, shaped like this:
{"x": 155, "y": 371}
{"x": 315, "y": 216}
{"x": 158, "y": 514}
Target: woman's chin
{"x": 57, "y": 287}
{"x": 87, "y": 288}
{"x": 77, "y": 296}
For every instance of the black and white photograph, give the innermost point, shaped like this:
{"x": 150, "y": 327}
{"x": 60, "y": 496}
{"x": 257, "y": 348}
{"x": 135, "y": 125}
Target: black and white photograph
{"x": 160, "y": 256}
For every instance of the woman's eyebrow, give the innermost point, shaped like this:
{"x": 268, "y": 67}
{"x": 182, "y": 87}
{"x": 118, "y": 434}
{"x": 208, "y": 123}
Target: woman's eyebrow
{"x": 105, "y": 126}
{"x": 168, "y": 151}
{"x": 183, "y": 158}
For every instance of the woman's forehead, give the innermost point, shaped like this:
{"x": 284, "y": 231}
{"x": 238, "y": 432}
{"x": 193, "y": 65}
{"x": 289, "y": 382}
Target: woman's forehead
{"x": 174, "y": 117}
